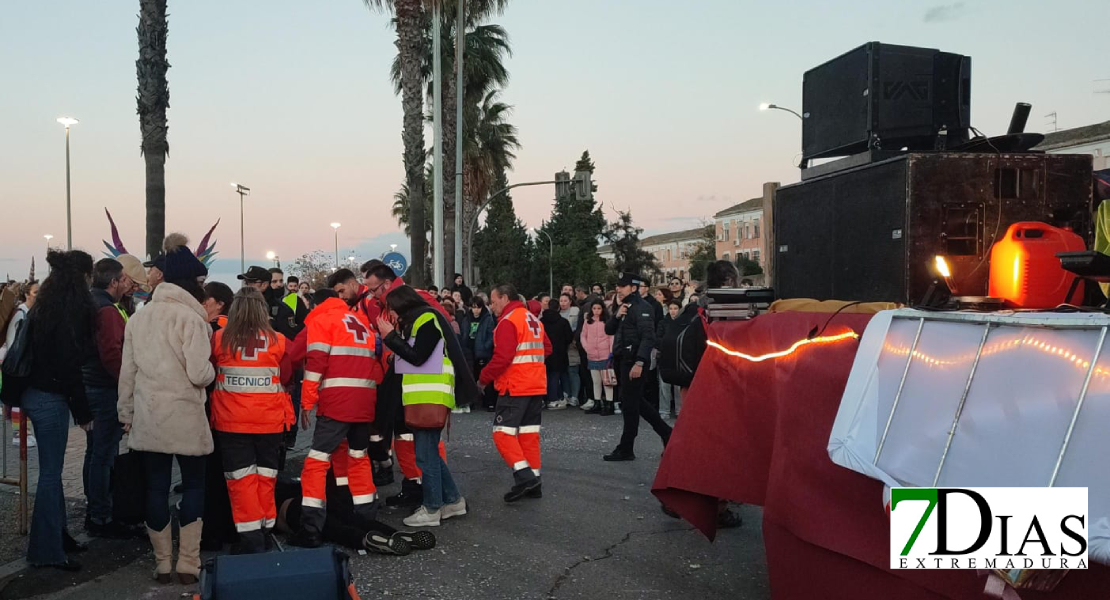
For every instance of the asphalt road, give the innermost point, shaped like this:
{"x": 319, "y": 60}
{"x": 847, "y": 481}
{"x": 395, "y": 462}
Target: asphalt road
{"x": 596, "y": 533}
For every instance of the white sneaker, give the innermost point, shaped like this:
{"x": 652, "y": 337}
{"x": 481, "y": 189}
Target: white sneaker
{"x": 617, "y": 409}
{"x": 455, "y": 509}
{"x": 423, "y": 518}
{"x": 572, "y": 402}
{"x": 462, "y": 410}
{"x": 31, "y": 443}
{"x": 589, "y": 405}
{"x": 557, "y": 405}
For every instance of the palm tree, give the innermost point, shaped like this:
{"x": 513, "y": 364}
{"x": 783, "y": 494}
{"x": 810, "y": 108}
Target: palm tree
{"x": 153, "y": 99}
{"x": 483, "y": 66}
{"x": 409, "y": 18}
{"x": 490, "y": 149}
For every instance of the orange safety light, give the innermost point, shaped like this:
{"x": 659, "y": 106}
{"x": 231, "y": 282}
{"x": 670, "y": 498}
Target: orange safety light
{"x": 1025, "y": 272}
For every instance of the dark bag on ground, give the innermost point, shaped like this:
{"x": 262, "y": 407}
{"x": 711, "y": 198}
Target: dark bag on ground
{"x": 317, "y": 574}
{"x": 129, "y": 489}
{"x": 681, "y": 349}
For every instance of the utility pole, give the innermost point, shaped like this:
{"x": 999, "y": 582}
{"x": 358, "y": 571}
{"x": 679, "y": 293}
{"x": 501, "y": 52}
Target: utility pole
{"x": 437, "y": 145}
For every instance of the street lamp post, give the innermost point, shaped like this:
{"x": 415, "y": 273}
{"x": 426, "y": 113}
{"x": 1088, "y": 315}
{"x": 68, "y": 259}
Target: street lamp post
{"x": 271, "y": 255}
{"x": 550, "y": 260}
{"x": 335, "y": 226}
{"x": 242, "y": 190}
{"x": 48, "y": 238}
{"x": 68, "y": 121}
{"x": 766, "y": 106}
{"x": 474, "y": 220}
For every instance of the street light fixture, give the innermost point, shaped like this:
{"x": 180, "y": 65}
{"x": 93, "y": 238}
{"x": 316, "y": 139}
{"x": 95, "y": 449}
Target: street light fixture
{"x": 271, "y": 255}
{"x": 767, "y": 106}
{"x": 68, "y": 122}
{"x": 242, "y": 190}
{"x": 336, "y": 226}
{"x": 550, "y": 259}
{"x": 48, "y": 238}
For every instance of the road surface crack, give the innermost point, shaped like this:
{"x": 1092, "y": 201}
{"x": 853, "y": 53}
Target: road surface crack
{"x": 605, "y": 554}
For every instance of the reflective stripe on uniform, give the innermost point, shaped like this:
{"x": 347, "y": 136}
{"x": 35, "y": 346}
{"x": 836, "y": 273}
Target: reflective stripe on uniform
{"x": 351, "y": 351}
{"x": 320, "y": 456}
{"x": 527, "y": 358}
{"x": 321, "y": 346}
{"x": 441, "y": 388}
{"x": 311, "y": 376}
{"x": 241, "y": 473}
{"x": 530, "y": 429}
{"x": 529, "y": 346}
{"x": 312, "y": 502}
{"x": 251, "y": 526}
{"x": 269, "y": 523}
{"x": 521, "y": 464}
{"x": 405, "y": 437}
{"x": 356, "y": 453}
{"x": 505, "y": 430}
{"x": 376, "y": 438}
{"x": 332, "y": 382}
{"x": 364, "y": 499}
{"x": 341, "y": 481}
{"x": 269, "y": 473}
{"x": 536, "y": 471}
{"x": 249, "y": 380}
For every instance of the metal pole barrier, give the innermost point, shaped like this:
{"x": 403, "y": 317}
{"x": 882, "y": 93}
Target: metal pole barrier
{"x": 898, "y": 395}
{"x": 960, "y": 406}
{"x": 1078, "y": 407}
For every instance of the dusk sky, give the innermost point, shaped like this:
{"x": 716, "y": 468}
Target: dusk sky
{"x": 292, "y": 98}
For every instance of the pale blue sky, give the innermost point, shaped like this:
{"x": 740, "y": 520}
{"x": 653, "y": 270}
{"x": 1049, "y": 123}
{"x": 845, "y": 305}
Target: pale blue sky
{"x": 293, "y": 99}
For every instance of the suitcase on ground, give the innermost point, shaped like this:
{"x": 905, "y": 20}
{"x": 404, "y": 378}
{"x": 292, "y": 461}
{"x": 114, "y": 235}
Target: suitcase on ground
{"x": 317, "y": 574}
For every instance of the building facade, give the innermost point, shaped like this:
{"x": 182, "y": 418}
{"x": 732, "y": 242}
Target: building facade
{"x": 1089, "y": 139}
{"x": 742, "y": 229}
{"x": 672, "y": 250}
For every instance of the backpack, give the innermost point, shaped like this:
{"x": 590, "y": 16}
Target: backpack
{"x": 682, "y": 347}
{"x": 9, "y": 304}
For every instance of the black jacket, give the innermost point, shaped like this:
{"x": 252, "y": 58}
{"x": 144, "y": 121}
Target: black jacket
{"x": 558, "y": 331}
{"x": 463, "y": 291}
{"x": 282, "y": 318}
{"x": 635, "y": 332}
{"x": 658, "y": 309}
{"x": 480, "y": 347}
{"x": 58, "y": 350}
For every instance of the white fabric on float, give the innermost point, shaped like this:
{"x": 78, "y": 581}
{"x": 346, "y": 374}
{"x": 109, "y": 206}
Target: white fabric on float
{"x": 1020, "y": 403}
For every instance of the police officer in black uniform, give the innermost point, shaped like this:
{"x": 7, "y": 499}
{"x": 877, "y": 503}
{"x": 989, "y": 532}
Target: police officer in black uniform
{"x": 633, "y": 326}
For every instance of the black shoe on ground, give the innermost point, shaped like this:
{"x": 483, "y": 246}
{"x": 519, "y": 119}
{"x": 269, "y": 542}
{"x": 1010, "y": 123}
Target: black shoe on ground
{"x": 418, "y": 540}
{"x": 383, "y": 476}
{"x": 69, "y": 566}
{"x": 521, "y": 490}
{"x": 491, "y": 408}
{"x": 537, "y": 492}
{"x": 607, "y": 409}
{"x": 406, "y": 499}
{"x": 619, "y": 455}
{"x": 112, "y": 530}
{"x": 728, "y": 520}
{"x": 304, "y": 539}
{"x": 72, "y": 546}
{"x": 380, "y": 544}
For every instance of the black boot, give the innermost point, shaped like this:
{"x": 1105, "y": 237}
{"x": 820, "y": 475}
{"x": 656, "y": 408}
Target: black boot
{"x": 383, "y": 475}
{"x": 619, "y": 455}
{"x": 411, "y": 496}
{"x": 606, "y": 408}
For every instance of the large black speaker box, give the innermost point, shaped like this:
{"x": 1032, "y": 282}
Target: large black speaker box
{"x": 871, "y": 233}
{"x": 883, "y": 96}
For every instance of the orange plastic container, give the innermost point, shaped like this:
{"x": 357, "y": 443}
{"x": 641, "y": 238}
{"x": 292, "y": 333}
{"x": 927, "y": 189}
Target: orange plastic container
{"x": 1025, "y": 272}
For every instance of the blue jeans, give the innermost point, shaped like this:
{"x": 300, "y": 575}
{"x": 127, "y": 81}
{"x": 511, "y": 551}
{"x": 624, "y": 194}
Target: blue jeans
{"x": 50, "y": 415}
{"x": 439, "y": 486}
{"x": 101, "y": 446}
{"x": 554, "y": 386}
{"x": 570, "y": 382}
{"x": 159, "y": 468}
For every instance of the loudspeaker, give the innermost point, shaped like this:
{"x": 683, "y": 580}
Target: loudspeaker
{"x": 871, "y": 233}
{"x": 883, "y": 96}
{"x": 317, "y": 574}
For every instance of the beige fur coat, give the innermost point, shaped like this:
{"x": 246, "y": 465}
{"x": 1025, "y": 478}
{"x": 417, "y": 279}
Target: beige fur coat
{"x": 167, "y": 352}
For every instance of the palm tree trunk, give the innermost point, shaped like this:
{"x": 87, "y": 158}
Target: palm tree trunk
{"x": 409, "y": 41}
{"x": 153, "y": 99}
{"x": 449, "y": 131}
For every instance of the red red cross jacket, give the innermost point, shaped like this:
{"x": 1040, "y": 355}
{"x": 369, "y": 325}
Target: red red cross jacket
{"x": 342, "y": 371}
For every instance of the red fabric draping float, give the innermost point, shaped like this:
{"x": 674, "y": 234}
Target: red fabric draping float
{"x": 757, "y": 432}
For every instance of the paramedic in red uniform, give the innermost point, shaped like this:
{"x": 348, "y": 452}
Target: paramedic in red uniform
{"x": 518, "y": 373}
{"x": 250, "y": 414}
{"x": 342, "y": 374}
